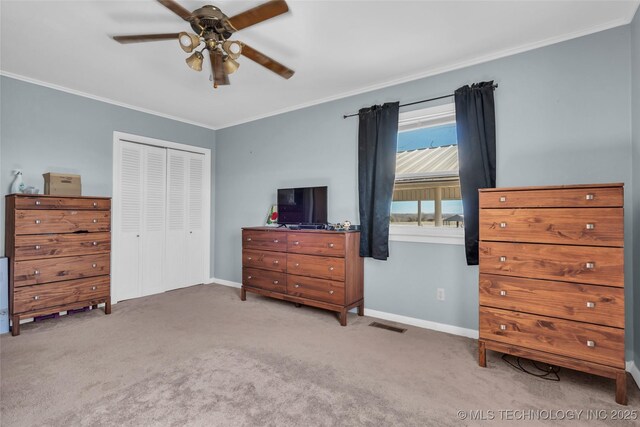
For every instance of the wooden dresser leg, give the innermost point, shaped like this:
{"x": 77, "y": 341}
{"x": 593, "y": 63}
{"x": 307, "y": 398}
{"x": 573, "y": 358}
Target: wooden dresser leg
{"x": 482, "y": 354}
{"x": 621, "y": 388}
{"x": 361, "y": 309}
{"x": 15, "y": 325}
{"x": 107, "y": 306}
{"x": 342, "y": 315}
{"x": 243, "y": 294}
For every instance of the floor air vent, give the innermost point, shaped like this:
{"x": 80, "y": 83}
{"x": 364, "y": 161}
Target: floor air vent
{"x": 387, "y": 327}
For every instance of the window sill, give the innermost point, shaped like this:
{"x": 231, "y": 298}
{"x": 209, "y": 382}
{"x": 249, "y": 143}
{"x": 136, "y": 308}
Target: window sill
{"x": 413, "y": 233}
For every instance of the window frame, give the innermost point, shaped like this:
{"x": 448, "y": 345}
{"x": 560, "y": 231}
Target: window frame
{"x": 436, "y": 115}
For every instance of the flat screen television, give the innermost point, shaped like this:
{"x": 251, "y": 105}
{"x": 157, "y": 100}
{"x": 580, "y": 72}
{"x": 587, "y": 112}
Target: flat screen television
{"x": 303, "y": 205}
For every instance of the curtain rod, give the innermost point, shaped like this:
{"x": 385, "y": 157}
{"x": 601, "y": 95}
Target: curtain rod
{"x": 416, "y": 102}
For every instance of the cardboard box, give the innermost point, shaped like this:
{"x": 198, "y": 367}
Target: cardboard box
{"x": 60, "y": 184}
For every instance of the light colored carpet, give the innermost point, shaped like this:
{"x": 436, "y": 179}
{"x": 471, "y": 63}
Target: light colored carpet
{"x": 201, "y": 357}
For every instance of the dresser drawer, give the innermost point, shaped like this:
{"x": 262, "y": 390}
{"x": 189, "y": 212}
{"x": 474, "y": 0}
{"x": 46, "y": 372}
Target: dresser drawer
{"x": 318, "y": 289}
{"x": 268, "y": 240}
{"x": 581, "y": 264}
{"x": 554, "y": 198}
{"x": 276, "y": 261}
{"x": 56, "y": 269}
{"x": 36, "y": 202}
{"x": 37, "y": 297}
{"x": 599, "y": 344}
{"x": 330, "y": 244}
{"x": 580, "y": 226}
{"x": 61, "y": 221}
{"x": 601, "y": 305}
{"x": 30, "y": 246}
{"x": 316, "y": 266}
{"x": 264, "y": 279}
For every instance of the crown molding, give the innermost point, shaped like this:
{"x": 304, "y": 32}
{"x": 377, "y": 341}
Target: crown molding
{"x": 101, "y": 99}
{"x": 441, "y": 70}
{"x": 427, "y": 73}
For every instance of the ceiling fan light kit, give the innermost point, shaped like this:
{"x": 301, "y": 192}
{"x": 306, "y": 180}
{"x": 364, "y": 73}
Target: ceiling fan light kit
{"x": 214, "y": 29}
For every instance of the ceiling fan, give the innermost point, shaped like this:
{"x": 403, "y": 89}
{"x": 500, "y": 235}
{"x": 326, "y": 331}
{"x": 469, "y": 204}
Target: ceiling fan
{"x": 213, "y": 29}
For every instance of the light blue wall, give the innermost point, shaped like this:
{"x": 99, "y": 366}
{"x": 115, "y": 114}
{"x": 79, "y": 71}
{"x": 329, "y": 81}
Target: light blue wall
{"x": 43, "y": 129}
{"x": 562, "y": 118}
{"x": 635, "y": 110}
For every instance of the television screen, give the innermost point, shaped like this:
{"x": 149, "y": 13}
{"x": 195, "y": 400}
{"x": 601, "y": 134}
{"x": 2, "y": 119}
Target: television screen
{"x": 305, "y": 205}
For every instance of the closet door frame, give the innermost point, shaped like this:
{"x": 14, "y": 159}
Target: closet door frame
{"x": 208, "y": 209}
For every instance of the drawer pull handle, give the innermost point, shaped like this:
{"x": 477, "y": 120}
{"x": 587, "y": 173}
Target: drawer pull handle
{"x": 590, "y": 226}
{"x": 589, "y": 197}
{"x": 93, "y": 288}
{"x": 503, "y": 199}
{"x": 296, "y": 243}
{"x": 95, "y": 221}
{"x": 276, "y": 262}
{"x": 36, "y": 272}
{"x": 330, "y": 268}
{"x": 37, "y": 247}
{"x": 503, "y": 225}
{"x": 37, "y": 221}
{"x": 590, "y": 265}
{"x": 276, "y": 241}
{"x": 503, "y": 259}
{"x": 275, "y": 282}
{"x": 330, "y": 245}
{"x": 248, "y": 239}
{"x": 330, "y": 292}
{"x": 591, "y": 304}
{"x": 297, "y": 264}
{"x": 249, "y": 258}
{"x": 95, "y": 204}
{"x": 36, "y": 297}
{"x": 296, "y": 285}
{"x": 591, "y": 343}
{"x": 503, "y": 293}
{"x": 503, "y": 327}
{"x": 95, "y": 243}
{"x": 37, "y": 202}
{"x": 94, "y": 265}
{"x": 249, "y": 277}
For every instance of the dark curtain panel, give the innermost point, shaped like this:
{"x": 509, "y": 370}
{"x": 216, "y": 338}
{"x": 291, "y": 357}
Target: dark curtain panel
{"x": 476, "y": 126}
{"x": 377, "y": 145}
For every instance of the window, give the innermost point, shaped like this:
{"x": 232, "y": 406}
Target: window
{"x": 427, "y": 203}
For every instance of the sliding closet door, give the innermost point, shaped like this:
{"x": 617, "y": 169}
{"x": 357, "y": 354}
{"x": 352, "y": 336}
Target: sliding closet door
{"x": 176, "y": 257}
{"x": 154, "y": 224}
{"x": 128, "y": 211}
{"x": 195, "y": 220}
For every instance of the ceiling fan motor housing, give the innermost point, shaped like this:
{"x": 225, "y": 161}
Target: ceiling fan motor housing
{"x": 212, "y": 23}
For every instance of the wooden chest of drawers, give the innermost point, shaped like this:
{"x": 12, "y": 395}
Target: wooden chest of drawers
{"x": 59, "y": 254}
{"x": 552, "y": 277}
{"x": 313, "y": 267}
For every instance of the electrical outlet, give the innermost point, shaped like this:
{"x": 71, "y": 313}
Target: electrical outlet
{"x": 440, "y": 294}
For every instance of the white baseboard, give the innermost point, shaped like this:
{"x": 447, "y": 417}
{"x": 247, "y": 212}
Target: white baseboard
{"x": 420, "y": 323}
{"x": 223, "y": 282}
{"x": 632, "y": 368}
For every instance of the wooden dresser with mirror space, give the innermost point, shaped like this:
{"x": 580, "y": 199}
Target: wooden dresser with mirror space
{"x": 552, "y": 277}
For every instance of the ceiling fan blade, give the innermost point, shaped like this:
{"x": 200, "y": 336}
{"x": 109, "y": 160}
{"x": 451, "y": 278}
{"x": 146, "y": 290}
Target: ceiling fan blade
{"x": 266, "y": 62}
{"x": 145, "y": 38}
{"x": 220, "y": 77}
{"x": 177, "y": 9}
{"x": 258, "y": 14}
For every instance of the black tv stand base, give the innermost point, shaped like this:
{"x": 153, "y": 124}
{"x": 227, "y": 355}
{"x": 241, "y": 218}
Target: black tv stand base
{"x": 307, "y": 226}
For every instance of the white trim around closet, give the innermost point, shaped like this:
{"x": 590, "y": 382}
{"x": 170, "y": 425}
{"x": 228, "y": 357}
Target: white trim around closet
{"x": 208, "y": 205}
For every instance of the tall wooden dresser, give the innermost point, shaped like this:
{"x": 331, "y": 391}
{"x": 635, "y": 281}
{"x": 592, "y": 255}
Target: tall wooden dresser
{"x": 319, "y": 268}
{"x": 59, "y": 254}
{"x": 552, "y": 277}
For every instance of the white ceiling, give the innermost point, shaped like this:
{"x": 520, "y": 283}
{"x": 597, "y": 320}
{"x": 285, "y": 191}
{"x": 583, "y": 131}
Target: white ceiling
{"x": 337, "y": 48}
